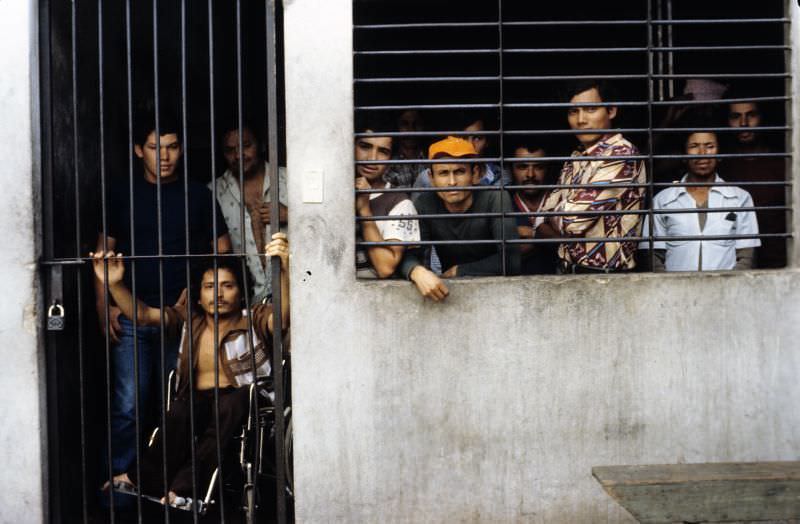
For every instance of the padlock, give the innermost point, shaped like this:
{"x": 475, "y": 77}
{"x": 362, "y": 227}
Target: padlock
{"x": 55, "y": 317}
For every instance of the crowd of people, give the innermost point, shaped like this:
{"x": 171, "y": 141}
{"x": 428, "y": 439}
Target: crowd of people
{"x": 592, "y": 217}
{"x": 143, "y": 301}
{"x": 444, "y": 210}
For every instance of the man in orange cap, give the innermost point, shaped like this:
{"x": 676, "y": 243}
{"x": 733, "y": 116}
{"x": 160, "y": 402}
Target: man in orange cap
{"x": 465, "y": 259}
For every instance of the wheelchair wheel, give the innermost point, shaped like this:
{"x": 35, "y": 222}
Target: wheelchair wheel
{"x": 288, "y": 453}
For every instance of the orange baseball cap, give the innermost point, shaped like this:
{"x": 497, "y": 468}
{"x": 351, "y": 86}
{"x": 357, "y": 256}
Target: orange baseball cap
{"x": 451, "y": 146}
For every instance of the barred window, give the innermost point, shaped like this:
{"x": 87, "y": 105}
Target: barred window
{"x": 632, "y": 137}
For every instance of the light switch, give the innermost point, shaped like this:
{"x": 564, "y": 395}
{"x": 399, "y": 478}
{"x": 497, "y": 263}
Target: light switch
{"x": 313, "y": 183}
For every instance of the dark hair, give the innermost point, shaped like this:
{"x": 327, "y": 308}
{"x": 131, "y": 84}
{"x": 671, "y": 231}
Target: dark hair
{"x": 247, "y": 125}
{"x": 574, "y": 87}
{"x": 205, "y": 264}
{"x": 700, "y": 119}
{"x": 377, "y": 122}
{"x": 466, "y": 117}
{"x": 531, "y": 143}
{"x": 145, "y": 123}
{"x": 738, "y": 91}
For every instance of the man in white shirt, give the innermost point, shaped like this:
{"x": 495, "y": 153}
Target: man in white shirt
{"x": 249, "y": 237}
{"x": 722, "y": 250}
{"x": 379, "y": 261}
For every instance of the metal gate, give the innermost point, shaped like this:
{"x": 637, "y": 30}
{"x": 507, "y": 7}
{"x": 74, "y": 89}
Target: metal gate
{"x": 209, "y": 63}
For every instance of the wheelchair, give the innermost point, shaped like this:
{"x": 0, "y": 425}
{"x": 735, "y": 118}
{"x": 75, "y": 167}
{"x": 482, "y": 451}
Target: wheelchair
{"x": 249, "y": 467}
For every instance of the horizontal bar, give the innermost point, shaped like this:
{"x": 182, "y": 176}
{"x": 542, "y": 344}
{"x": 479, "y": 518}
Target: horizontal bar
{"x": 82, "y": 260}
{"x": 570, "y": 240}
{"x": 433, "y": 133}
{"x": 425, "y": 106}
{"x": 386, "y": 80}
{"x": 420, "y": 52}
{"x": 62, "y": 262}
{"x": 548, "y": 50}
{"x": 722, "y": 21}
{"x": 721, "y": 100}
{"x": 569, "y": 131}
{"x": 425, "y": 25}
{"x": 609, "y": 212}
{"x": 512, "y": 187}
{"x": 538, "y": 23}
{"x": 757, "y": 47}
{"x": 567, "y": 158}
{"x": 718, "y": 129}
{"x": 567, "y": 104}
{"x": 545, "y": 50}
{"x": 519, "y": 78}
{"x": 725, "y": 75}
{"x": 543, "y": 78}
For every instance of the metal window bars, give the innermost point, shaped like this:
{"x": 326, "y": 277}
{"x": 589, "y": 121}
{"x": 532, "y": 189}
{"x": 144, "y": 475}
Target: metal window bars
{"x": 388, "y": 88}
{"x": 104, "y": 57}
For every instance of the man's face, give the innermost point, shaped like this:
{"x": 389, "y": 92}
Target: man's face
{"x": 745, "y": 114}
{"x": 478, "y": 141}
{"x": 409, "y": 122}
{"x": 590, "y": 117}
{"x": 454, "y": 175}
{"x": 531, "y": 173}
{"x": 167, "y": 158}
{"x": 250, "y": 156}
{"x": 373, "y": 148}
{"x": 702, "y": 144}
{"x": 228, "y": 295}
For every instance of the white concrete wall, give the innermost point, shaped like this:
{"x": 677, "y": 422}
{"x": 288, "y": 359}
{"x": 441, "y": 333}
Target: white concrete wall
{"x": 494, "y": 406}
{"x": 22, "y": 429}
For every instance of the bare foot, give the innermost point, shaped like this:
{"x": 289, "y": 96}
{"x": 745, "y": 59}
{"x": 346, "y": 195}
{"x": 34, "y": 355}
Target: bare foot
{"x": 172, "y": 496}
{"x": 123, "y": 478}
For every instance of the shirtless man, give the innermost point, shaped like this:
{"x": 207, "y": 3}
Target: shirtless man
{"x": 223, "y": 299}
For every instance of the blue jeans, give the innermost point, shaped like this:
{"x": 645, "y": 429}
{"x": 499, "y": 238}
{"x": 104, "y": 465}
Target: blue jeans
{"x": 124, "y": 389}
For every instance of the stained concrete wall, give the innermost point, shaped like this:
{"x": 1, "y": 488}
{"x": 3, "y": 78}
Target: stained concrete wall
{"x": 494, "y": 406}
{"x": 22, "y": 430}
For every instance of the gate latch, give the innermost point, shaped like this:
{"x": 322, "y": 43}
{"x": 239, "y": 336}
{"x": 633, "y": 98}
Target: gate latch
{"x": 55, "y": 317}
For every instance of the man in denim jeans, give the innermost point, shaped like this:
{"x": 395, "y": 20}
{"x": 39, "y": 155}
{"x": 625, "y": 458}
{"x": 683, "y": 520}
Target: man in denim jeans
{"x": 159, "y": 226}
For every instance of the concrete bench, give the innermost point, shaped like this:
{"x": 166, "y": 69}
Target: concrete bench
{"x": 722, "y": 492}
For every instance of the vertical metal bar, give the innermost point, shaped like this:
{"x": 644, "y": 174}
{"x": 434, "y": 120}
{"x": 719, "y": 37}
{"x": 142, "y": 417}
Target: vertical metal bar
{"x": 660, "y": 43}
{"x": 215, "y": 252}
{"x": 189, "y": 301}
{"x": 789, "y": 145}
{"x": 503, "y": 254}
{"x": 160, "y": 225}
{"x": 245, "y": 284}
{"x": 277, "y": 324}
{"x": 78, "y": 248}
{"x": 651, "y": 145}
{"x": 104, "y": 218}
{"x": 132, "y": 219}
{"x": 670, "y": 54}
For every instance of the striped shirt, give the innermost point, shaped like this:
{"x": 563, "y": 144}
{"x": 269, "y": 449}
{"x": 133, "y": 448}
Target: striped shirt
{"x": 603, "y": 254}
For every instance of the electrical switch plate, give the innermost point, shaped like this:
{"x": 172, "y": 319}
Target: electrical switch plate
{"x": 313, "y": 183}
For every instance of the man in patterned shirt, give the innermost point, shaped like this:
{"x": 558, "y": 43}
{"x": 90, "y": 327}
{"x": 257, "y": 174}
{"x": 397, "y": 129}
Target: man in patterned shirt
{"x": 597, "y": 163}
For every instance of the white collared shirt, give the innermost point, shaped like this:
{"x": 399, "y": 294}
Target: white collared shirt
{"x": 229, "y": 197}
{"x": 684, "y": 255}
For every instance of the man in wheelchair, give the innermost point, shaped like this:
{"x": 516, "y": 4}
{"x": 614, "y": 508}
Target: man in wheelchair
{"x": 230, "y": 375}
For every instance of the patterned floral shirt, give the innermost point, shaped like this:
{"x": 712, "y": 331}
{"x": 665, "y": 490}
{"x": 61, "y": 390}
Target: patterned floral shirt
{"x": 604, "y": 255}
